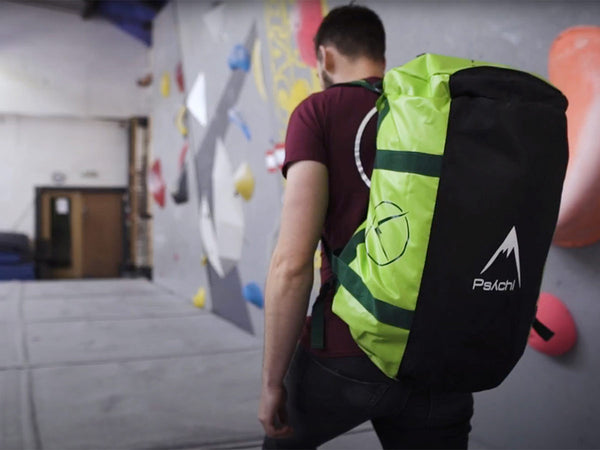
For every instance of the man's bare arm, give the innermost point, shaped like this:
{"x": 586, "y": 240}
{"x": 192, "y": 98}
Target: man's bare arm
{"x": 289, "y": 283}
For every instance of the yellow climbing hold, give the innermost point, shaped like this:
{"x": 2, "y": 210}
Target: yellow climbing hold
{"x": 200, "y": 298}
{"x": 204, "y": 261}
{"x": 317, "y": 260}
{"x": 165, "y": 84}
{"x": 180, "y": 120}
{"x": 244, "y": 181}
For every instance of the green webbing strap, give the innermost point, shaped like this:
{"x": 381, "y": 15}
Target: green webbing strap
{"x": 317, "y": 333}
{"x": 382, "y": 311}
{"x": 385, "y": 109}
{"x": 410, "y": 162}
{"x": 349, "y": 252}
{"x": 376, "y": 87}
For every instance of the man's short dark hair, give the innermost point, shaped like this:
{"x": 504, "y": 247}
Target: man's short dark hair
{"x": 354, "y": 31}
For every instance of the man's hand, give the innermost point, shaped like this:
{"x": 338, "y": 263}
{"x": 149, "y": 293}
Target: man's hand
{"x": 272, "y": 413}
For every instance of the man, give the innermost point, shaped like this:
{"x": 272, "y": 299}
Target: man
{"x": 331, "y": 390}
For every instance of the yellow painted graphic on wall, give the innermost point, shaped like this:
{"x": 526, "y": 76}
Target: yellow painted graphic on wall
{"x": 257, "y": 70}
{"x": 294, "y": 76}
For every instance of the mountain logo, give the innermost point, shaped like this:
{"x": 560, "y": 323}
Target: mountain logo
{"x": 509, "y": 246}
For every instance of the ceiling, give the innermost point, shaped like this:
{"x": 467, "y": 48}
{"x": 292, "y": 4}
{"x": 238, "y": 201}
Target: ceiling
{"x": 132, "y": 16}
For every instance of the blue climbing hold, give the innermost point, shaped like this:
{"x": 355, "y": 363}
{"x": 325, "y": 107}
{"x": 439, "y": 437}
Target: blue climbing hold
{"x": 239, "y": 58}
{"x": 236, "y": 118}
{"x": 252, "y": 293}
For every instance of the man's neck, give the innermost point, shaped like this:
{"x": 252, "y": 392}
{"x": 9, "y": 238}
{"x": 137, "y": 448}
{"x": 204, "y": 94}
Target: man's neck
{"x": 359, "y": 69}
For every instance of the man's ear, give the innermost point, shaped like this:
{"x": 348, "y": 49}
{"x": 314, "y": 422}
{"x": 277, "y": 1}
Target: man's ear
{"x": 321, "y": 53}
{"x": 327, "y": 58}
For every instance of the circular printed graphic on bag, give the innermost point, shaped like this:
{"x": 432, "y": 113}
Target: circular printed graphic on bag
{"x": 388, "y": 233}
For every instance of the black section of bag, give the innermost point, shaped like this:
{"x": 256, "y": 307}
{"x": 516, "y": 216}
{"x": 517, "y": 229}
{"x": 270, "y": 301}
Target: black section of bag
{"x": 504, "y": 165}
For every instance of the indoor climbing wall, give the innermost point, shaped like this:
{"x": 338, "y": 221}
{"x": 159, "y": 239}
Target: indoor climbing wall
{"x": 226, "y": 77}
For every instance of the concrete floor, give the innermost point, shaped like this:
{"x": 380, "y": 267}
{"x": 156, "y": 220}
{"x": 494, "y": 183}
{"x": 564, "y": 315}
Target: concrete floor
{"x": 122, "y": 364}
{"x": 118, "y": 364}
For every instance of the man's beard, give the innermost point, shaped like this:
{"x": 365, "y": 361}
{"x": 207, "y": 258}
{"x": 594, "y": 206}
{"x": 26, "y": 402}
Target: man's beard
{"x": 327, "y": 81}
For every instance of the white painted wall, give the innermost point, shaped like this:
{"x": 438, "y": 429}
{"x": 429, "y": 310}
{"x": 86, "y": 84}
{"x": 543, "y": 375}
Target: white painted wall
{"x": 55, "y": 63}
{"x": 31, "y": 149}
{"x": 59, "y": 75}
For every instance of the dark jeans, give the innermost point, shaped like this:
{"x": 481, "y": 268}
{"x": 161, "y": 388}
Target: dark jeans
{"x": 329, "y": 396}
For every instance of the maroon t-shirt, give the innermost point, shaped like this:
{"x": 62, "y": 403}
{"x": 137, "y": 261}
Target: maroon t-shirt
{"x": 324, "y": 128}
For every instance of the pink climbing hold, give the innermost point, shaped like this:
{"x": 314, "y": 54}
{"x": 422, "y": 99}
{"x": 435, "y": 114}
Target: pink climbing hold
{"x": 555, "y": 316}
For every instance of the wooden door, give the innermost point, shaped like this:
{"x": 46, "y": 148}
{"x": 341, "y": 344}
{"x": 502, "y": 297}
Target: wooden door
{"x": 83, "y": 230}
{"x": 102, "y": 224}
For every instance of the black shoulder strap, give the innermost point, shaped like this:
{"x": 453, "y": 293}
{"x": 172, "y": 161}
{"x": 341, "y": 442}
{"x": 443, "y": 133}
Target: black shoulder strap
{"x": 541, "y": 329}
{"x": 317, "y": 333}
{"x": 318, "y": 311}
{"x": 317, "y": 323}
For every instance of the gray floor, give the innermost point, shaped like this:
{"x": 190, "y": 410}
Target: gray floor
{"x": 122, "y": 364}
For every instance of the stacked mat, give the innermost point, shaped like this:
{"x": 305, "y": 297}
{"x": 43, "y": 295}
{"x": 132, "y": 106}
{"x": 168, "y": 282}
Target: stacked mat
{"x": 16, "y": 258}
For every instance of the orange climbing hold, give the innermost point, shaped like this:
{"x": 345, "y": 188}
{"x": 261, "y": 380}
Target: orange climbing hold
{"x": 574, "y": 68}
